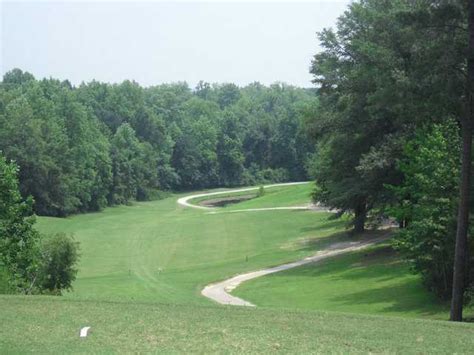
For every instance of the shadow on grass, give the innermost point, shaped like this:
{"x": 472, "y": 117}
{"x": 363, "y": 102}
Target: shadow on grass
{"x": 328, "y": 224}
{"x": 376, "y": 276}
{"x": 398, "y": 297}
{"x": 320, "y": 243}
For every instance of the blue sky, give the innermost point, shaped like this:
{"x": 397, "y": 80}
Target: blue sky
{"x": 154, "y": 42}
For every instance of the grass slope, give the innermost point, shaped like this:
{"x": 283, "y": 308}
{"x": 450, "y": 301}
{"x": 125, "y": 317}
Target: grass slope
{"x": 143, "y": 267}
{"x": 51, "y": 325}
{"x": 371, "y": 281}
{"x": 159, "y": 251}
{"x": 279, "y": 196}
{"x": 298, "y": 195}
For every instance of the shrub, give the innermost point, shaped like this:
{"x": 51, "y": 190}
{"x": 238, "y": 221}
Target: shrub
{"x": 59, "y": 256}
{"x": 18, "y": 238}
{"x": 427, "y": 204}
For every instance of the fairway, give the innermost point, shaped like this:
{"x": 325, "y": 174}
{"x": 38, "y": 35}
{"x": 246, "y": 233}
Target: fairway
{"x": 159, "y": 251}
{"x": 162, "y": 252}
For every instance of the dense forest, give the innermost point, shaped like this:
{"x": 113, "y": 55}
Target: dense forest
{"x": 83, "y": 148}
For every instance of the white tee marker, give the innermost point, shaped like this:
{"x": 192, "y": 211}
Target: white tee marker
{"x": 84, "y": 331}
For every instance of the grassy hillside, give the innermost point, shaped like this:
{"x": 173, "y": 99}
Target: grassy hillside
{"x": 297, "y": 195}
{"x": 143, "y": 267}
{"x": 371, "y": 281}
{"x": 47, "y": 325}
{"x": 159, "y": 251}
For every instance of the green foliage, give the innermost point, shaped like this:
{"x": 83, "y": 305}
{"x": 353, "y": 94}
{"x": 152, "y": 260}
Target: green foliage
{"x": 59, "y": 146}
{"x": 59, "y": 257}
{"x": 388, "y": 67}
{"x": 18, "y": 239}
{"x": 388, "y": 70}
{"x": 83, "y": 148}
{"x": 28, "y": 262}
{"x": 132, "y": 167}
{"x": 261, "y": 191}
{"x": 427, "y": 201}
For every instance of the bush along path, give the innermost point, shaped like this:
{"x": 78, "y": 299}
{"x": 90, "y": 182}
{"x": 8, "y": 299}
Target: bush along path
{"x": 220, "y": 292}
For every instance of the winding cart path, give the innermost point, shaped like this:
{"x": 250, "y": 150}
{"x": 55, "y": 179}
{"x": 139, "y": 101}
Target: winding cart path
{"x": 220, "y": 291}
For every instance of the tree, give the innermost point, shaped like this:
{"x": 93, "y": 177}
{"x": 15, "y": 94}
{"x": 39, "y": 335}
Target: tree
{"x": 194, "y": 155}
{"x": 467, "y": 120}
{"x": 17, "y": 77}
{"x": 75, "y": 153}
{"x": 385, "y": 58}
{"x": 59, "y": 256}
{"x": 132, "y": 166}
{"x": 427, "y": 204}
{"x": 227, "y": 95}
{"x": 18, "y": 239}
{"x": 229, "y": 151}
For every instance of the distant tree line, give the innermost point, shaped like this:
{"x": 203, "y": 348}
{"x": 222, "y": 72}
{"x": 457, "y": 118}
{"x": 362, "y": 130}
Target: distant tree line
{"x": 396, "y": 109}
{"x": 84, "y": 148}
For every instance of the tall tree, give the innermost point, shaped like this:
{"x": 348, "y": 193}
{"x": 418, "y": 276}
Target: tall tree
{"x": 461, "y": 249}
{"x": 390, "y": 67}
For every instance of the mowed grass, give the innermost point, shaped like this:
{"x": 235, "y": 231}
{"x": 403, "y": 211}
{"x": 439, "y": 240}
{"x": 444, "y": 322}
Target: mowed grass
{"x": 51, "y": 325}
{"x": 375, "y": 281}
{"x": 278, "y": 196}
{"x": 159, "y": 251}
{"x": 143, "y": 267}
{"x": 297, "y": 195}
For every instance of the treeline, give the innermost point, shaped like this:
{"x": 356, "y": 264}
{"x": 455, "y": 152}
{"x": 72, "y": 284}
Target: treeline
{"x": 396, "y": 90}
{"x": 83, "y": 148}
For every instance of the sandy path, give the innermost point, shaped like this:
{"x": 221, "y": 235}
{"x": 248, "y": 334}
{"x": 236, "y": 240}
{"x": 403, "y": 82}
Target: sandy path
{"x": 219, "y": 292}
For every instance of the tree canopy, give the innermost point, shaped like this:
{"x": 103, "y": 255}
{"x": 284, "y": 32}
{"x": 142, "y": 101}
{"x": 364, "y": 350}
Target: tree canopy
{"x": 83, "y": 148}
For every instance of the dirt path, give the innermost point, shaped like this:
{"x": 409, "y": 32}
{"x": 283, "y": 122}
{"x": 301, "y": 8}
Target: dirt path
{"x": 220, "y": 292}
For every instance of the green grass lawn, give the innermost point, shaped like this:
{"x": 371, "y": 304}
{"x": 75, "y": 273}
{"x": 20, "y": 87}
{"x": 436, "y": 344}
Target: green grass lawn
{"x": 278, "y": 196}
{"x": 160, "y": 251}
{"x": 143, "y": 266}
{"x": 51, "y": 325}
{"x": 373, "y": 281}
{"x": 297, "y": 195}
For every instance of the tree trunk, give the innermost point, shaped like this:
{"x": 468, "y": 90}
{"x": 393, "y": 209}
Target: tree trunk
{"x": 360, "y": 215}
{"x": 464, "y": 188}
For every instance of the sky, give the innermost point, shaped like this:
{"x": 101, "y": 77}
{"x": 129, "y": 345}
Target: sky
{"x": 154, "y": 42}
